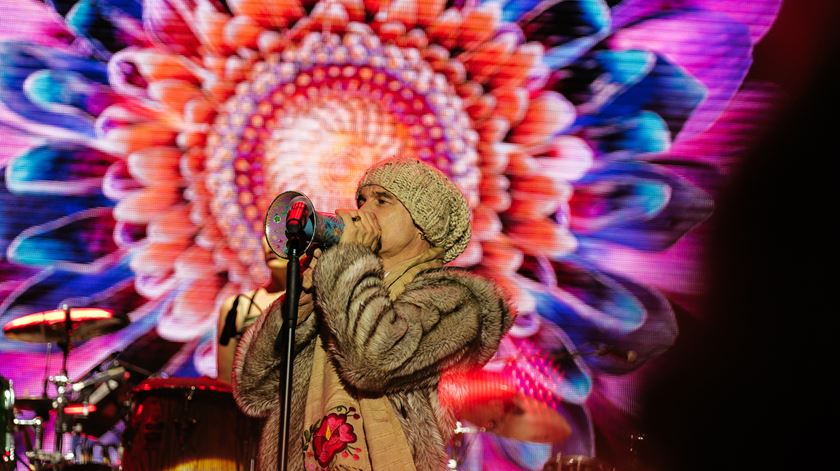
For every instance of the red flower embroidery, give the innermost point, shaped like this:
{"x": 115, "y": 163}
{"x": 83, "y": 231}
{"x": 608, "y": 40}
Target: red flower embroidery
{"x": 332, "y": 437}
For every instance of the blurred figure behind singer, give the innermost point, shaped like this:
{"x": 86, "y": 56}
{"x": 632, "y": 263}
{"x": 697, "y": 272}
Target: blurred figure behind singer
{"x": 240, "y": 311}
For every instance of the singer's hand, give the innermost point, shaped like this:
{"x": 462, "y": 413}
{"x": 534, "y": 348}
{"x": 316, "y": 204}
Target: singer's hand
{"x": 306, "y": 304}
{"x": 360, "y": 227}
{"x": 306, "y": 277}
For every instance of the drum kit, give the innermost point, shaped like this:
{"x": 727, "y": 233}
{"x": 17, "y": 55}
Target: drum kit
{"x": 163, "y": 423}
{"x": 193, "y": 423}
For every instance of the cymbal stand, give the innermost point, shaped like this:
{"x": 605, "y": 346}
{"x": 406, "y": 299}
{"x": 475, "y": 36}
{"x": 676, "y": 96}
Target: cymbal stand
{"x": 41, "y": 458}
{"x": 459, "y": 446}
{"x": 62, "y": 381}
{"x": 63, "y": 387}
{"x": 37, "y": 426}
{"x": 38, "y": 429}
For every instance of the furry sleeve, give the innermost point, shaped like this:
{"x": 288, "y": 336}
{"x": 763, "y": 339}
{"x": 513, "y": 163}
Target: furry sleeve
{"x": 256, "y": 365}
{"x": 443, "y": 319}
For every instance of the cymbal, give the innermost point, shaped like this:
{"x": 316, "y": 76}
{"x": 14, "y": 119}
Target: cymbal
{"x": 520, "y": 418}
{"x": 49, "y": 326}
{"x": 492, "y": 401}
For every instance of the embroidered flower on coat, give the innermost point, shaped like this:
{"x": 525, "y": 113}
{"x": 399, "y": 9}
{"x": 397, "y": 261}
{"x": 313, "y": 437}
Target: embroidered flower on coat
{"x": 332, "y": 435}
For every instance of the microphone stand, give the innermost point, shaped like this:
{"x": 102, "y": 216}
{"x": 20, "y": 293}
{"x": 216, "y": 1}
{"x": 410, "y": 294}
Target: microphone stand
{"x": 285, "y": 342}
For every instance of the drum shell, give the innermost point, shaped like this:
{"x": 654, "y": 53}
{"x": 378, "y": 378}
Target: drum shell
{"x": 188, "y": 423}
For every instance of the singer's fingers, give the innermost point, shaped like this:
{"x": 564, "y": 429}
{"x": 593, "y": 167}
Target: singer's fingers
{"x": 306, "y": 304}
{"x": 308, "y": 258}
{"x": 372, "y": 219}
{"x": 352, "y": 233}
{"x": 365, "y": 223}
{"x": 349, "y": 232}
{"x": 346, "y": 216}
{"x": 306, "y": 279}
{"x": 368, "y": 230}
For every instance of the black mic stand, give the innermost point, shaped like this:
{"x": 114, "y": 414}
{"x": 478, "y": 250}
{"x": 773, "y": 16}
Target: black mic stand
{"x": 285, "y": 343}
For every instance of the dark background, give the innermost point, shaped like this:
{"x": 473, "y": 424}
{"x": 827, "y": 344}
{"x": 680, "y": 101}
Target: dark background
{"x": 750, "y": 383}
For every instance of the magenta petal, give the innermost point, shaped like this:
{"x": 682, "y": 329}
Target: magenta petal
{"x": 42, "y": 25}
{"x": 127, "y": 233}
{"x": 757, "y": 15}
{"x": 674, "y": 271}
{"x": 723, "y": 145}
{"x": 118, "y": 181}
{"x": 14, "y": 278}
{"x": 713, "y": 49}
{"x": 168, "y": 27}
{"x": 630, "y": 11}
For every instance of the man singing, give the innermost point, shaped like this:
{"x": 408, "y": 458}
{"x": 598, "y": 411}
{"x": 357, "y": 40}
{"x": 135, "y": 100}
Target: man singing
{"x": 381, "y": 320}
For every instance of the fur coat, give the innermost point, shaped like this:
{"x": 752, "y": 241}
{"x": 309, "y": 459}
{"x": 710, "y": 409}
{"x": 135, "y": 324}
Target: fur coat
{"x": 446, "y": 319}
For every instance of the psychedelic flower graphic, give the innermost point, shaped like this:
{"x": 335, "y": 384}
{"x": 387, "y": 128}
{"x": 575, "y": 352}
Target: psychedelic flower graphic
{"x": 143, "y": 141}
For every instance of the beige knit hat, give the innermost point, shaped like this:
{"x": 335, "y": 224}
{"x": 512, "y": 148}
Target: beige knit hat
{"x": 433, "y": 201}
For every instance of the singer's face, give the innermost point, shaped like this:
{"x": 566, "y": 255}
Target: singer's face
{"x": 399, "y": 236}
{"x": 272, "y": 261}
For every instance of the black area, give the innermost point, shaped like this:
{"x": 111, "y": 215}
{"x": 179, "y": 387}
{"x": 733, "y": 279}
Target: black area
{"x": 748, "y": 385}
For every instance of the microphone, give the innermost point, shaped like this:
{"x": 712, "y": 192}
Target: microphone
{"x": 291, "y": 215}
{"x": 297, "y": 217}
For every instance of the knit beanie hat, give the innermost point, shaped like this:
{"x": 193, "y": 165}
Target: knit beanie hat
{"x": 433, "y": 201}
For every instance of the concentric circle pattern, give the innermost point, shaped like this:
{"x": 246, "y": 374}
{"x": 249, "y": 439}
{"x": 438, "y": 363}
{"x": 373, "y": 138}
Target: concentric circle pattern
{"x": 316, "y": 117}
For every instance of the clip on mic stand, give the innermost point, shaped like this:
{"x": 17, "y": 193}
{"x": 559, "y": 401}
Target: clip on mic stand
{"x": 285, "y": 342}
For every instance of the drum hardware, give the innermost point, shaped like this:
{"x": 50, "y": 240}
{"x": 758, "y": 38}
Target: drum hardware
{"x": 68, "y": 416}
{"x": 41, "y": 406}
{"x": 564, "y": 462}
{"x": 460, "y": 443}
{"x": 7, "y": 418}
{"x": 37, "y": 425}
{"x": 88, "y": 453}
{"x": 65, "y": 327}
